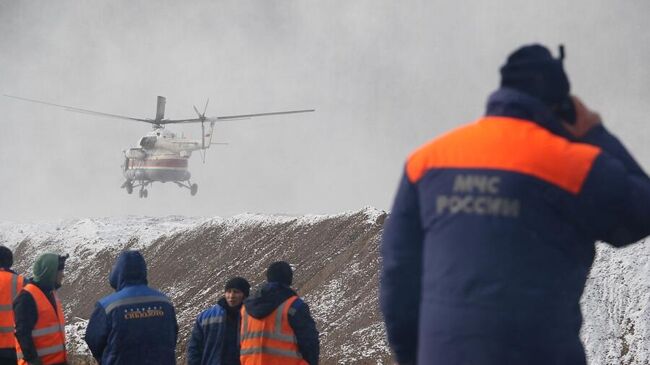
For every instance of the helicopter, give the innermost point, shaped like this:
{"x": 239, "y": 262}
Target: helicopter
{"x": 162, "y": 155}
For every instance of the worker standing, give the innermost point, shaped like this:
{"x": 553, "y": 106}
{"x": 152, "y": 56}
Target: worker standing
{"x": 215, "y": 336}
{"x": 277, "y": 328}
{"x": 491, "y": 236}
{"x": 136, "y": 324}
{"x": 10, "y": 285}
{"x": 40, "y": 324}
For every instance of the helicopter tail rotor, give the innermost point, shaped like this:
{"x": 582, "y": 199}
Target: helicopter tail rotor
{"x": 197, "y": 112}
{"x": 202, "y": 119}
{"x": 201, "y": 116}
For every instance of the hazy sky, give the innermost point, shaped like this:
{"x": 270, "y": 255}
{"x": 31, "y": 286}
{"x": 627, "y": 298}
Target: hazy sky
{"x": 384, "y": 76}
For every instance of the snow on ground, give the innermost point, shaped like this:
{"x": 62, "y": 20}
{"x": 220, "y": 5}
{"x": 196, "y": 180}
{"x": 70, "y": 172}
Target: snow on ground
{"x": 323, "y": 301}
{"x": 84, "y": 238}
{"x": 94, "y": 234}
{"x": 354, "y": 354}
{"x": 74, "y": 334}
{"x": 616, "y": 302}
{"x": 616, "y": 306}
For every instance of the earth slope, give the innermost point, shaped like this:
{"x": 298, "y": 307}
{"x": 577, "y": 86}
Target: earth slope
{"x": 335, "y": 259}
{"x": 336, "y": 262}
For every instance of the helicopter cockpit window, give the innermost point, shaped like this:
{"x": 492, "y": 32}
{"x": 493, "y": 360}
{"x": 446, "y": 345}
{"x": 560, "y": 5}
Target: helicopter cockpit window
{"x": 148, "y": 142}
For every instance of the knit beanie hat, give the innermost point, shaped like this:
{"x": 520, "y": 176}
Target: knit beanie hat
{"x": 6, "y": 257}
{"x": 533, "y": 70}
{"x": 280, "y": 272}
{"x": 239, "y": 283}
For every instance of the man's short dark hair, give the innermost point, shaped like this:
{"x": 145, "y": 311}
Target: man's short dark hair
{"x": 280, "y": 272}
{"x": 239, "y": 283}
{"x": 6, "y": 257}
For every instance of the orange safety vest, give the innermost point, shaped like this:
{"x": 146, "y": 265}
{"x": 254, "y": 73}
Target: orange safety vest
{"x": 10, "y": 285}
{"x": 49, "y": 332}
{"x": 270, "y": 340}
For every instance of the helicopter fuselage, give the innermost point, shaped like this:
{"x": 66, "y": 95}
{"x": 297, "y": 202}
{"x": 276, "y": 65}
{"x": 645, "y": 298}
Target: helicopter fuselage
{"x": 162, "y": 156}
{"x": 158, "y": 168}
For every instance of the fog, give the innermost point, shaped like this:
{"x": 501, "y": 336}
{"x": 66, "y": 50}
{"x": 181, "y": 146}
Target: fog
{"x": 383, "y": 76}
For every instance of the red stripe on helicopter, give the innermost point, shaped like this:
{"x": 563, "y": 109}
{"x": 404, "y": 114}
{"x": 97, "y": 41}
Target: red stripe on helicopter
{"x": 172, "y": 162}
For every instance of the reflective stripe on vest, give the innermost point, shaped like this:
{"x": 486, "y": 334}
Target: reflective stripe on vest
{"x": 10, "y": 284}
{"x": 49, "y": 332}
{"x": 45, "y": 351}
{"x": 277, "y": 334}
{"x": 136, "y": 300}
{"x": 272, "y": 351}
{"x": 14, "y": 286}
{"x": 269, "y": 340}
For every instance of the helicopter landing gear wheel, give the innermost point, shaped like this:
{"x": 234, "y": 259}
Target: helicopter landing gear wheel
{"x": 145, "y": 193}
{"x": 193, "y": 189}
{"x": 129, "y": 187}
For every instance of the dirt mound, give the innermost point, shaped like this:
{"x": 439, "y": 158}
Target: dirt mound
{"x": 335, "y": 258}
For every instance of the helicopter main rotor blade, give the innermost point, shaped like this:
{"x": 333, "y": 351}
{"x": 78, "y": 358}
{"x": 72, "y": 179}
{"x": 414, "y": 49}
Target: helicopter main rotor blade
{"x": 80, "y": 110}
{"x": 231, "y": 117}
{"x": 244, "y": 116}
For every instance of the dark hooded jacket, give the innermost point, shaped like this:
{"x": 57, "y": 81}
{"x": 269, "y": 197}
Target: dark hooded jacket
{"x": 487, "y": 248}
{"x": 136, "y": 324}
{"x": 25, "y": 311}
{"x": 215, "y": 336}
{"x": 269, "y": 297}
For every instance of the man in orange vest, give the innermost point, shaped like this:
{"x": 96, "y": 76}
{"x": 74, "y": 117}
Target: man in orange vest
{"x": 277, "y": 328}
{"x": 40, "y": 326}
{"x": 10, "y": 284}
